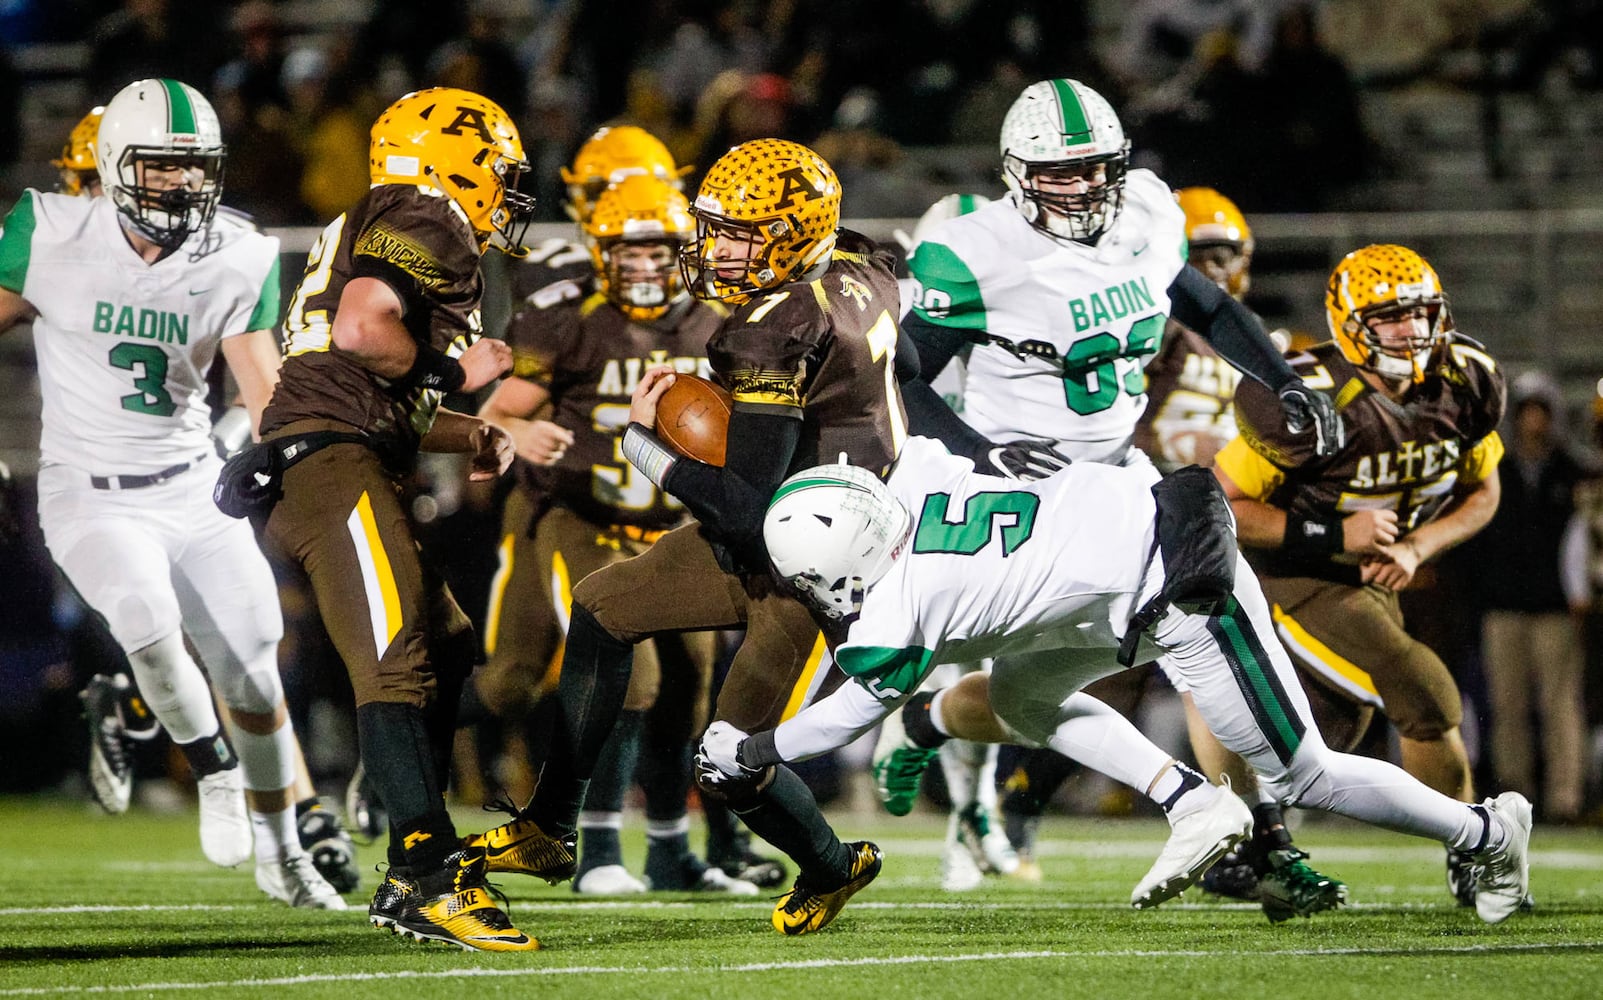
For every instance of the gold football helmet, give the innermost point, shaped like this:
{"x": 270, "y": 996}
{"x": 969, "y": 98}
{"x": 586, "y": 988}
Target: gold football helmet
{"x": 611, "y": 155}
{"x": 1385, "y": 281}
{"x": 766, "y": 213}
{"x": 1219, "y": 237}
{"x": 77, "y": 159}
{"x": 636, "y": 230}
{"x": 464, "y": 146}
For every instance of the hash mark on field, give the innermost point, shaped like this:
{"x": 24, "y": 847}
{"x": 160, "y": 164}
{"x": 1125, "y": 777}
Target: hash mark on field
{"x": 820, "y": 963}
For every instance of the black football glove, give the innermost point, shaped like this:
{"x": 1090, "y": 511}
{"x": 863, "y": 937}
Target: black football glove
{"x": 1024, "y": 460}
{"x": 1307, "y": 409}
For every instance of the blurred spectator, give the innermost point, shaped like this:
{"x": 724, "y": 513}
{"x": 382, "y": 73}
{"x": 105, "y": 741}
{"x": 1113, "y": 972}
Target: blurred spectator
{"x": 737, "y": 107}
{"x": 172, "y": 38}
{"x": 255, "y": 73}
{"x": 334, "y": 107}
{"x": 264, "y": 159}
{"x": 1533, "y": 656}
{"x": 482, "y": 62}
{"x": 876, "y": 176}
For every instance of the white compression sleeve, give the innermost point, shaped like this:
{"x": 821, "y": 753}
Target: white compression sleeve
{"x": 829, "y": 724}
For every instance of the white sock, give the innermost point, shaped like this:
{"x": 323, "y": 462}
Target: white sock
{"x": 268, "y": 760}
{"x": 175, "y": 689}
{"x": 935, "y": 712}
{"x": 276, "y": 836}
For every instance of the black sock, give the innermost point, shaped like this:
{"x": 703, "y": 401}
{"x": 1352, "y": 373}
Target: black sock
{"x": 786, "y": 815}
{"x": 1269, "y": 831}
{"x": 1040, "y": 773}
{"x": 665, "y": 776}
{"x": 920, "y": 727}
{"x": 209, "y": 755}
{"x": 598, "y": 846}
{"x": 727, "y": 840}
{"x": 401, "y": 766}
{"x": 615, "y": 771}
{"x": 595, "y": 679}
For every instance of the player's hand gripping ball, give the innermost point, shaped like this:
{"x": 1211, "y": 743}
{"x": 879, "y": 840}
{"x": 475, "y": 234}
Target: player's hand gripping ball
{"x": 693, "y": 418}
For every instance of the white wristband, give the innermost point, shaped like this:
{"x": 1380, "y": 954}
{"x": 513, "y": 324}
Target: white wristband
{"x": 643, "y": 451}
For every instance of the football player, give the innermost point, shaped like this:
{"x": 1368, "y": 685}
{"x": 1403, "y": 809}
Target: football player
{"x": 579, "y": 506}
{"x": 808, "y": 353}
{"x": 1189, "y": 418}
{"x": 1059, "y": 296}
{"x": 1062, "y": 580}
{"x": 133, "y": 296}
{"x": 558, "y": 270}
{"x": 76, "y": 163}
{"x": 384, "y": 323}
{"x": 1334, "y": 538}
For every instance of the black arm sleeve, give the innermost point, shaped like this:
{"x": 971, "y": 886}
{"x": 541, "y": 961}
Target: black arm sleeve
{"x": 929, "y": 416}
{"x": 730, "y": 502}
{"x": 936, "y": 345}
{"x": 1229, "y": 326}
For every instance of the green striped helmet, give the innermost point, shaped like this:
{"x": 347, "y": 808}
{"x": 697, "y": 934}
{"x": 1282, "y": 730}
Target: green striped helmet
{"x": 160, "y": 155}
{"x": 1057, "y": 131}
{"x": 832, "y": 531}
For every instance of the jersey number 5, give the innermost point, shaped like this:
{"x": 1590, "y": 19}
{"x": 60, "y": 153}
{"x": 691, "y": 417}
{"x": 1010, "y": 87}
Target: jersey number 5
{"x": 974, "y": 532}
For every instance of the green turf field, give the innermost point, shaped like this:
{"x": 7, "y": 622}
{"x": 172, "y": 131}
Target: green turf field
{"x": 126, "y": 905}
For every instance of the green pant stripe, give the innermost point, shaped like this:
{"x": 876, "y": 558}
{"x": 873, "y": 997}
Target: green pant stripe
{"x": 1265, "y": 696}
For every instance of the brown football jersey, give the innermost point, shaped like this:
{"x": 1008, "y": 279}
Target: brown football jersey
{"x": 421, "y": 247}
{"x": 1190, "y": 410}
{"x": 590, "y": 357}
{"x": 823, "y": 350}
{"x": 554, "y": 271}
{"x": 1407, "y": 456}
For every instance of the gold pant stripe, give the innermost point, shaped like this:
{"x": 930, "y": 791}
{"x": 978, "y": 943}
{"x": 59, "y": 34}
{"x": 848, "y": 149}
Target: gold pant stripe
{"x": 498, "y": 590}
{"x": 562, "y": 604}
{"x": 802, "y": 693}
{"x": 383, "y": 600}
{"x": 1315, "y": 655}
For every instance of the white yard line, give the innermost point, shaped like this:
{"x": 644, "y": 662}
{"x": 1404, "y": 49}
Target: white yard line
{"x": 823, "y": 963}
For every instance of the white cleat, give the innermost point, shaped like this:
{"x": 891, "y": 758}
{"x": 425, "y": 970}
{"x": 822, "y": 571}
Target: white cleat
{"x": 713, "y": 880}
{"x": 608, "y": 880}
{"x": 1503, "y": 881}
{"x": 959, "y": 873}
{"x": 225, "y": 835}
{"x": 294, "y": 880}
{"x": 1196, "y": 841}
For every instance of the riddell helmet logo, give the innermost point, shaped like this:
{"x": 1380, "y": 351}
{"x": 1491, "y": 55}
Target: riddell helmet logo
{"x": 795, "y": 185}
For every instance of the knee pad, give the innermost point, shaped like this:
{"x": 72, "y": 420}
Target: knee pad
{"x": 252, "y": 686}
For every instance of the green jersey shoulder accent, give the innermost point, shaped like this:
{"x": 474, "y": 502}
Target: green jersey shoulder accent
{"x": 948, "y": 290}
{"x": 16, "y": 243}
{"x": 887, "y": 673}
{"x": 265, "y": 315}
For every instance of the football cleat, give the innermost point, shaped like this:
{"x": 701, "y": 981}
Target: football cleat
{"x": 452, "y": 905}
{"x": 899, "y": 766}
{"x": 805, "y": 909}
{"x": 959, "y": 871}
{"x": 1197, "y": 840}
{"x": 607, "y": 880}
{"x": 225, "y": 836}
{"x": 1289, "y": 888}
{"x": 688, "y": 873}
{"x": 363, "y": 808}
{"x": 992, "y": 851}
{"x": 520, "y": 846}
{"x": 1234, "y": 875}
{"x": 110, "y": 771}
{"x": 1502, "y": 877}
{"x": 1461, "y": 876}
{"x": 296, "y": 881}
{"x": 764, "y": 873}
{"x": 324, "y": 837}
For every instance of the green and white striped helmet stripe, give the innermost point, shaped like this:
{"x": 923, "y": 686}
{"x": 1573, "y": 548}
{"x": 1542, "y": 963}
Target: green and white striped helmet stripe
{"x": 180, "y": 110}
{"x": 1076, "y": 124}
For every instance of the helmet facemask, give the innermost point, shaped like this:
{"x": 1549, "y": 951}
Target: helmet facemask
{"x": 642, "y": 277}
{"x": 1410, "y": 359}
{"x": 1226, "y": 264}
{"x": 509, "y": 220}
{"x": 167, "y": 194}
{"x": 1076, "y": 200}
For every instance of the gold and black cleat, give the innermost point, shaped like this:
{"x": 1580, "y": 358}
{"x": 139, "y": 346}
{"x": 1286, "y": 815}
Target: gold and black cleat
{"x": 522, "y": 847}
{"x": 453, "y": 905}
{"x": 804, "y": 909}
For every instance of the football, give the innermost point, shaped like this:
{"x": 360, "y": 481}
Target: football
{"x": 693, "y": 418}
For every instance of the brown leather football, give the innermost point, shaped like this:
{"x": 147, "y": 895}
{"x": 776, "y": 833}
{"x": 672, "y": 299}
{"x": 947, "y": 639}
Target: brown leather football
{"x": 693, "y": 418}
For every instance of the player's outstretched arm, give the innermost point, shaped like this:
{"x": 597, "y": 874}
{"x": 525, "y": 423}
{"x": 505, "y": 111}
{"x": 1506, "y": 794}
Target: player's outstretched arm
{"x": 253, "y": 358}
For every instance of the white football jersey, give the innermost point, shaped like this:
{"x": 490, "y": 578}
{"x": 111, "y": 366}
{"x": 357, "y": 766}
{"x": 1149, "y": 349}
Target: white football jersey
{"x": 1080, "y": 322}
{"x": 997, "y": 567}
{"x": 124, "y": 346}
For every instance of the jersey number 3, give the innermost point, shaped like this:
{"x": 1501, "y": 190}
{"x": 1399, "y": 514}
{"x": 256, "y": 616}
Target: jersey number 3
{"x": 152, "y": 397}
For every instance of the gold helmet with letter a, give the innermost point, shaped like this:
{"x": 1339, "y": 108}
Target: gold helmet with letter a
{"x": 610, "y": 155}
{"x": 1219, "y": 237}
{"x": 1385, "y": 281}
{"x": 636, "y": 231}
{"x": 464, "y": 146}
{"x": 77, "y": 159}
{"x": 766, "y": 214}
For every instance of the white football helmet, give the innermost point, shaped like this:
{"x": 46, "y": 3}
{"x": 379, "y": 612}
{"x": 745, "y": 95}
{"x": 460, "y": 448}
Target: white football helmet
{"x": 1064, "y": 157}
{"x": 832, "y": 532}
{"x": 161, "y": 128}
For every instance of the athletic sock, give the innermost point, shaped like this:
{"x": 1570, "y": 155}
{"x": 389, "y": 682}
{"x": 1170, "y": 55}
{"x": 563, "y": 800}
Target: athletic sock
{"x": 786, "y": 815}
{"x": 920, "y": 726}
